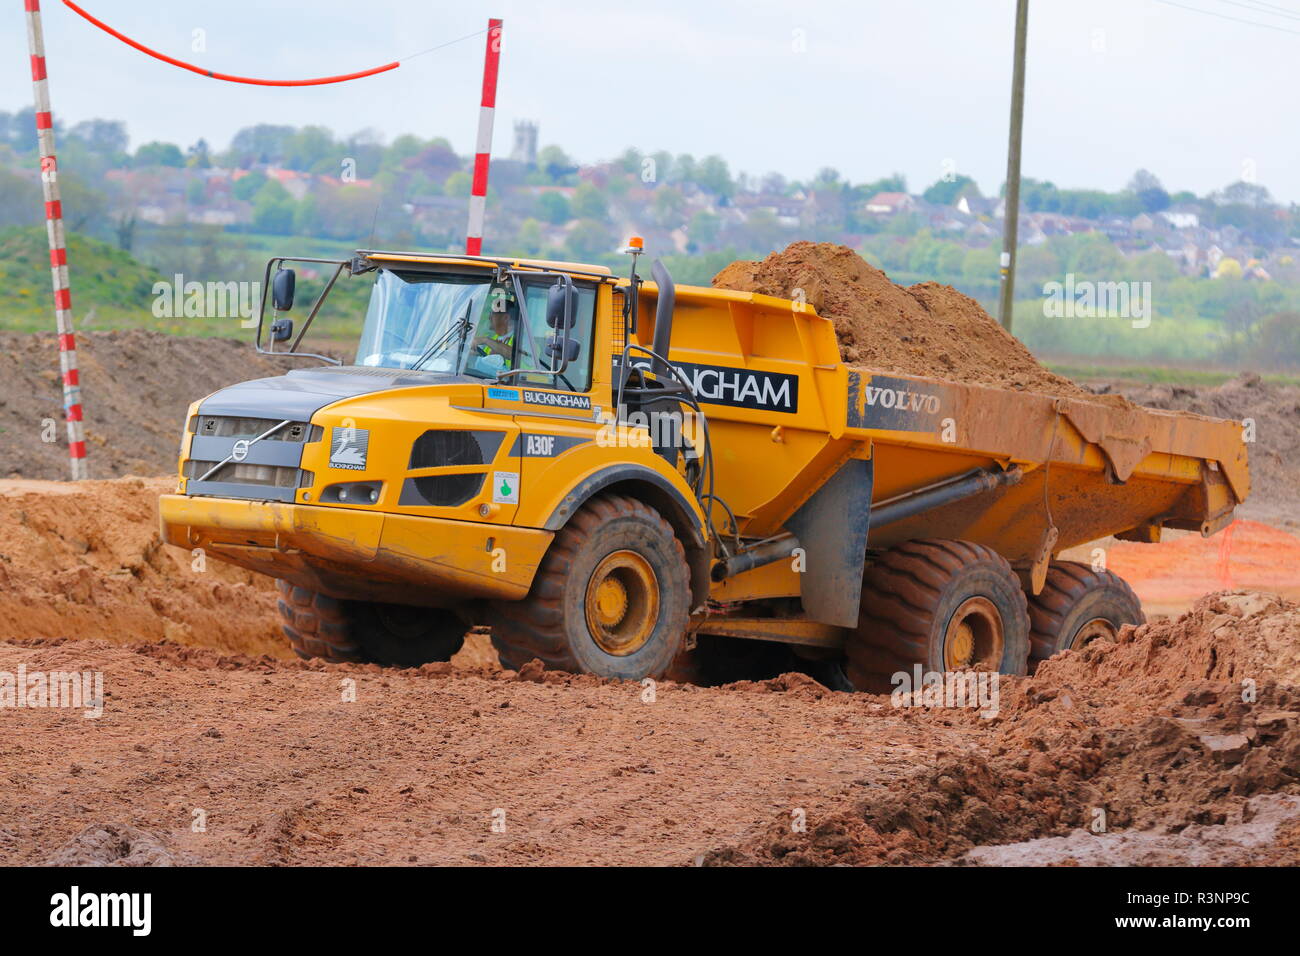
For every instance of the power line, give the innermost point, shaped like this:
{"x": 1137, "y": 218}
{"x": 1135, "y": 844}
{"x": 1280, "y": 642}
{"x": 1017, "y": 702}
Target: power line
{"x": 1261, "y": 3}
{"x": 468, "y": 36}
{"x": 1224, "y": 16}
{"x": 1256, "y": 9}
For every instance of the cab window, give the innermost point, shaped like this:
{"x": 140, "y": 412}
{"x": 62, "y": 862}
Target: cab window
{"x": 530, "y": 349}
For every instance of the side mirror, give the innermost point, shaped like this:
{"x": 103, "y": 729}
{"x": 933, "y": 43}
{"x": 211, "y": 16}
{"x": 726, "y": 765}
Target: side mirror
{"x": 564, "y": 348}
{"x": 282, "y": 329}
{"x": 282, "y": 290}
{"x": 556, "y": 298}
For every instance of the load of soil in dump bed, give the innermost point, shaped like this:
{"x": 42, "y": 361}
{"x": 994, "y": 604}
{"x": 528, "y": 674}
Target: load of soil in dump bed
{"x": 928, "y": 329}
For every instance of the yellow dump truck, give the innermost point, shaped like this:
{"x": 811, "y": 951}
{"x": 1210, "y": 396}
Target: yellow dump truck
{"x": 632, "y": 479}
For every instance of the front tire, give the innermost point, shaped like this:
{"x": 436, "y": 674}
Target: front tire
{"x": 1076, "y": 606}
{"x": 946, "y": 605}
{"x": 395, "y": 635}
{"x": 610, "y": 598}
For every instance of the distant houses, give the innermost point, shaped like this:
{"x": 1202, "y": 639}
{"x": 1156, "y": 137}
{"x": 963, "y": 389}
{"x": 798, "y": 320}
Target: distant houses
{"x": 688, "y": 218}
{"x": 889, "y": 204}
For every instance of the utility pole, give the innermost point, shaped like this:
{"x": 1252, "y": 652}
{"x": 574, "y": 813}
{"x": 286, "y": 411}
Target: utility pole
{"x": 1011, "y": 221}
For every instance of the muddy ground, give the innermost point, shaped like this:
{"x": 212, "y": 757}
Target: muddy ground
{"x": 215, "y": 747}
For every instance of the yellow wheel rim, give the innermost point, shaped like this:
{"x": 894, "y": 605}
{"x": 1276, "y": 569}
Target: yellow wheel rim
{"x": 974, "y": 637}
{"x": 622, "y": 603}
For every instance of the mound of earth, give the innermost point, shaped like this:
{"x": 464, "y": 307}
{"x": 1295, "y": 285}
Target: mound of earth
{"x": 117, "y": 845}
{"x": 1172, "y": 730}
{"x": 1231, "y": 637}
{"x": 136, "y": 388}
{"x": 927, "y": 329}
{"x": 85, "y": 560}
{"x": 1275, "y": 450}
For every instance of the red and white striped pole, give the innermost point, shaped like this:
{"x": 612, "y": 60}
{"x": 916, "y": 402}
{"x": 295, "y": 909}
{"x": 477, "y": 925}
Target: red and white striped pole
{"x": 58, "y": 249}
{"x": 483, "y": 147}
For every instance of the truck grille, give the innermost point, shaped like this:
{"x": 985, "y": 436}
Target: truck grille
{"x": 225, "y": 426}
{"x": 268, "y": 470}
{"x": 269, "y": 476}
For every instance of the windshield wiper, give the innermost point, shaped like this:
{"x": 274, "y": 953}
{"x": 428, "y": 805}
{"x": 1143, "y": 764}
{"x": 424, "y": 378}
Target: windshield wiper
{"x": 463, "y": 325}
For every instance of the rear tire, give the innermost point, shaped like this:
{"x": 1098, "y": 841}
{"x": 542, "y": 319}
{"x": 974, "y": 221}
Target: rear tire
{"x": 1078, "y": 605}
{"x": 395, "y": 635}
{"x": 610, "y": 598}
{"x": 946, "y": 605}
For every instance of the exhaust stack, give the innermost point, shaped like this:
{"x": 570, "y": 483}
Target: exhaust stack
{"x": 663, "y": 318}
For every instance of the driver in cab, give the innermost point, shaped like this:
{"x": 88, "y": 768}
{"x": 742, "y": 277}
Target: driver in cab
{"x": 494, "y": 345}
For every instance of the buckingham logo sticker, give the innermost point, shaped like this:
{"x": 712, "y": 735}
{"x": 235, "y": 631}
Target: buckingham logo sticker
{"x": 348, "y": 448}
{"x": 557, "y": 399}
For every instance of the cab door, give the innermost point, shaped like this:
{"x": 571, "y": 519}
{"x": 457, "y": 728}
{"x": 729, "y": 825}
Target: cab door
{"x": 556, "y": 414}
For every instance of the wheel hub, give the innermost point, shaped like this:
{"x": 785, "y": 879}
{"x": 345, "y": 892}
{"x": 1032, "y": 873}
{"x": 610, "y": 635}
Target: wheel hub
{"x": 974, "y": 636}
{"x": 611, "y": 602}
{"x": 622, "y": 603}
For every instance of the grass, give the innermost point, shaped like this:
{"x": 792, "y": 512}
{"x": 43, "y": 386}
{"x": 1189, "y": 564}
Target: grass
{"x": 1158, "y": 374}
{"x": 111, "y": 289}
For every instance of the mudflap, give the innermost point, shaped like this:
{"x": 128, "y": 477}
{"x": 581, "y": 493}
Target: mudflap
{"x": 832, "y": 529}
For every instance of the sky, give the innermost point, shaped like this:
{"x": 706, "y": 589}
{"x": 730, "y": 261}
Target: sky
{"x": 869, "y": 87}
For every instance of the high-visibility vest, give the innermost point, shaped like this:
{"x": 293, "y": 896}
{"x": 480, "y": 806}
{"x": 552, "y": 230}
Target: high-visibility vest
{"x": 507, "y": 339}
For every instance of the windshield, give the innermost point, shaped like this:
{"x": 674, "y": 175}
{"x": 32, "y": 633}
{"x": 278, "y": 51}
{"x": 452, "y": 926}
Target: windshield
{"x": 417, "y": 320}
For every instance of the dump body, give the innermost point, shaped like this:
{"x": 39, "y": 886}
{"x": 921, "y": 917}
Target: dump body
{"x": 785, "y": 414}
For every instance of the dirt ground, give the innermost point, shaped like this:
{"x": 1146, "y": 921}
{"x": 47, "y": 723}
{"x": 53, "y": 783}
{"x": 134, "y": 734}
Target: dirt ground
{"x": 215, "y": 747}
{"x": 457, "y": 764}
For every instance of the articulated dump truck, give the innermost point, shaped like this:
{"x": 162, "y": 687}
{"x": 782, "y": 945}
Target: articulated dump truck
{"x": 631, "y": 479}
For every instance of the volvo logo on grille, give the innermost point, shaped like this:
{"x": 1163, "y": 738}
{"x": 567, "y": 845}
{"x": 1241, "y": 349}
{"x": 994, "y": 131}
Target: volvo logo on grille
{"x": 240, "y": 451}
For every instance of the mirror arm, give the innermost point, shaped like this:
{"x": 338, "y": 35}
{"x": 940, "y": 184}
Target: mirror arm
{"x": 339, "y": 264}
{"x": 316, "y": 308}
{"x": 521, "y": 300}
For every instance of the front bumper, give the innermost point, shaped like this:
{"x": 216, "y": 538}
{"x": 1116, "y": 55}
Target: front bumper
{"x": 360, "y": 555}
